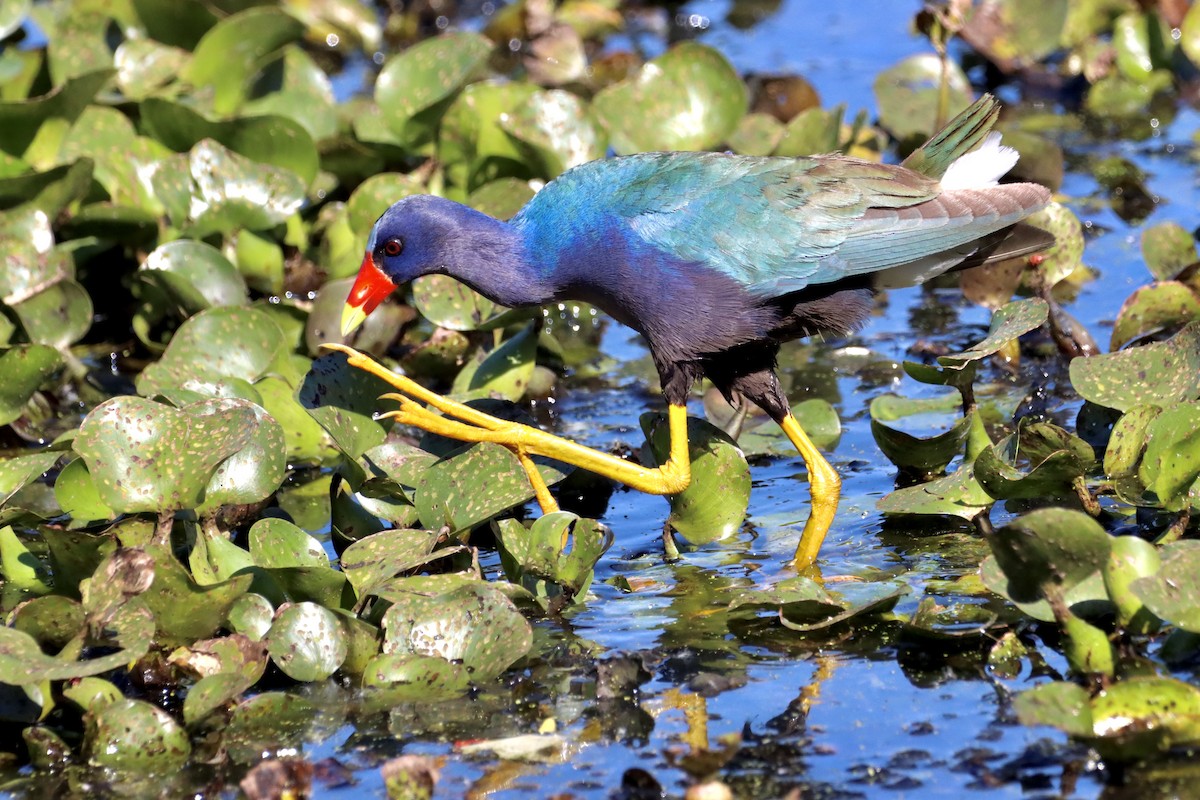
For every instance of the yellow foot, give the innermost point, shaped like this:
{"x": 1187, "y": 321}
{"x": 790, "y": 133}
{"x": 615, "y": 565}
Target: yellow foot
{"x": 466, "y": 424}
{"x": 826, "y": 489}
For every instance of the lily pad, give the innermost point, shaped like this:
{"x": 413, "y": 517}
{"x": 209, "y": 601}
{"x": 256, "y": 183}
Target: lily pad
{"x": 1162, "y": 373}
{"x": 692, "y": 92}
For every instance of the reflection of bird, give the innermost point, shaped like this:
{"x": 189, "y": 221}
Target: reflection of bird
{"x": 715, "y": 259}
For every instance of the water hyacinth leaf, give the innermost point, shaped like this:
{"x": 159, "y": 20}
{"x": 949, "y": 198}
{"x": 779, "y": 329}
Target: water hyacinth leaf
{"x": 713, "y": 506}
{"x": 307, "y": 642}
{"x": 757, "y": 134}
{"x": 53, "y": 620}
{"x": 1162, "y": 373}
{"x": 57, "y": 316}
{"x": 560, "y": 129}
{"x": 1132, "y": 559}
{"x": 1063, "y": 257}
{"x": 473, "y": 484}
{"x": 1050, "y": 549}
{"x": 92, "y": 694}
{"x": 1168, "y": 248}
{"x": 145, "y": 456}
{"x": 1172, "y": 593}
{"x": 693, "y": 93}
{"x": 145, "y": 65}
{"x": 471, "y": 142}
{"x": 395, "y": 468}
{"x": 1171, "y": 462}
{"x": 266, "y": 139}
{"x": 908, "y": 95}
{"x": 812, "y": 131}
{"x": 452, "y": 305}
{"x": 1057, "y": 461}
{"x": 924, "y": 455}
{"x": 279, "y": 543}
{"x": 133, "y": 736}
{"x": 956, "y": 495}
{"x": 18, "y": 472}
{"x": 305, "y": 94}
{"x": 999, "y": 29}
{"x": 503, "y": 373}
{"x": 1125, "y": 446}
{"x": 560, "y": 549}
{"x": 195, "y": 275}
{"x": 1008, "y": 322}
{"x": 183, "y": 609}
{"x": 1059, "y": 704}
{"x": 223, "y": 342}
{"x": 212, "y": 692}
{"x": 881, "y": 599}
{"x": 49, "y": 191}
{"x": 21, "y": 121}
{"x": 75, "y": 555}
{"x": 211, "y": 189}
{"x": 31, "y": 262}
{"x": 343, "y": 401}
{"x": 374, "y": 196}
{"x": 324, "y": 586}
{"x": 226, "y": 59}
{"x": 20, "y": 568}
{"x": 1150, "y": 309}
{"x": 25, "y": 369}
{"x": 804, "y": 599}
{"x": 893, "y": 407}
{"x": 473, "y": 624}
{"x": 816, "y": 416}
{"x": 256, "y": 470}
{"x": 501, "y": 198}
{"x": 214, "y": 559}
{"x": 123, "y": 160}
{"x": 1143, "y": 717}
{"x": 251, "y": 616}
{"x": 424, "y": 76}
{"x": 22, "y": 661}
{"x": 304, "y": 439}
{"x": 405, "y": 676}
{"x": 379, "y": 557}
{"x": 1143, "y": 44}
{"x": 1087, "y": 595}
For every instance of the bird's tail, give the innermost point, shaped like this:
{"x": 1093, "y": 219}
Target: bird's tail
{"x": 960, "y": 135}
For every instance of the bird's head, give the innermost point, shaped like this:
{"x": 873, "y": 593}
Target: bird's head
{"x": 405, "y": 243}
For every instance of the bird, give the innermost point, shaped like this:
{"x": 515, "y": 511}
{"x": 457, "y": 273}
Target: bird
{"x": 716, "y": 259}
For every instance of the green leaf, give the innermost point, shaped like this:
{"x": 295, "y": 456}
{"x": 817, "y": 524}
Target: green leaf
{"x": 713, "y": 506}
{"x": 1171, "y": 593}
{"x": 692, "y": 92}
{"x": 559, "y": 551}
{"x": 307, "y": 642}
{"x": 183, "y": 609}
{"x": 343, "y": 401}
{"x": 1162, "y": 373}
{"x": 279, "y": 543}
{"x": 256, "y": 470}
{"x": 134, "y": 736}
{"x": 927, "y": 455}
{"x": 1168, "y": 249}
{"x": 1153, "y": 308}
{"x": 956, "y": 495}
{"x": 1051, "y": 549}
{"x": 58, "y": 316}
{"x": 145, "y": 456}
{"x": 422, "y": 78}
{"x": 18, "y": 472}
{"x": 20, "y": 568}
{"x": 1008, "y": 322}
{"x": 908, "y": 94}
{"x": 195, "y": 275}
{"x": 144, "y": 65}
{"x": 560, "y": 128}
{"x": 449, "y": 304}
{"x": 226, "y": 58}
{"x": 1171, "y": 462}
{"x": 123, "y": 160}
{"x": 48, "y": 115}
{"x": 374, "y": 559}
{"x": 502, "y": 373}
{"x": 25, "y": 369}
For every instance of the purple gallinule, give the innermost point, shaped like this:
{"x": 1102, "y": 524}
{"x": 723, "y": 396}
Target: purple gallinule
{"x": 716, "y": 260}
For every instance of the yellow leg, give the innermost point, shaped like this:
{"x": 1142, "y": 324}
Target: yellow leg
{"x": 826, "y": 488}
{"x": 469, "y": 425}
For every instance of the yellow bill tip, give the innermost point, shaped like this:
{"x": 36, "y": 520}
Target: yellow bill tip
{"x": 352, "y": 317}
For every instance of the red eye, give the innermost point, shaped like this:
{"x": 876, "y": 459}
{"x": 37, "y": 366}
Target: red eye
{"x": 393, "y": 247}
